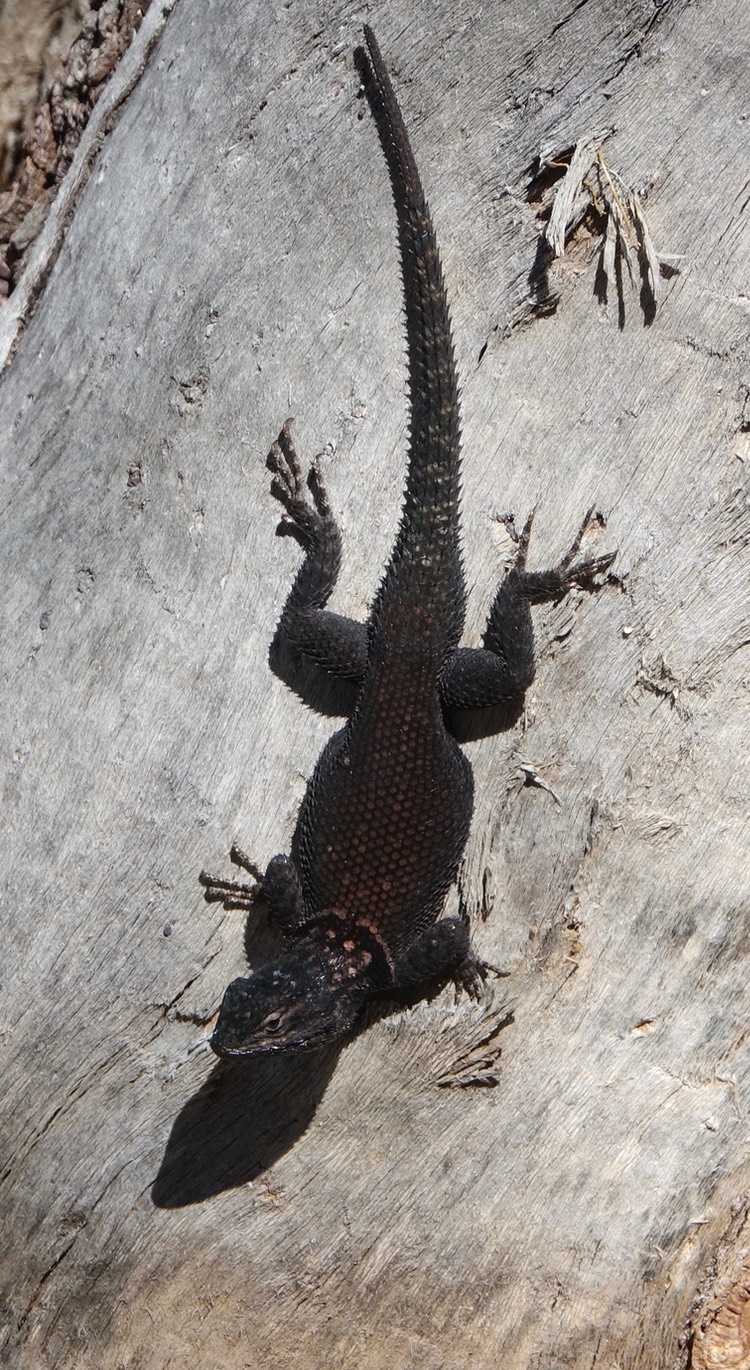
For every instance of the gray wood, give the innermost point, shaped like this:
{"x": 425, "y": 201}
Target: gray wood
{"x": 231, "y": 260}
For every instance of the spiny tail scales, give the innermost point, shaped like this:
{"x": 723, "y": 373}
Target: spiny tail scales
{"x": 425, "y": 567}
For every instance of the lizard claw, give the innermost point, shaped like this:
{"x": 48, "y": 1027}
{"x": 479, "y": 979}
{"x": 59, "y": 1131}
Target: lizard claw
{"x": 302, "y": 518}
{"x": 541, "y": 586}
{"x": 233, "y": 894}
{"x": 471, "y": 977}
{"x": 287, "y": 473}
{"x": 586, "y": 571}
{"x": 571, "y": 575}
{"x": 523, "y": 542}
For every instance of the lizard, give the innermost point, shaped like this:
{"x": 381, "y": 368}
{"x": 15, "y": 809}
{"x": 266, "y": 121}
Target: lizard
{"x": 386, "y": 815}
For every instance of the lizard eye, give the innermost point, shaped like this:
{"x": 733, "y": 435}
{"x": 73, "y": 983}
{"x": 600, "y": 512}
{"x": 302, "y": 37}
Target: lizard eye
{"x": 273, "y": 1022}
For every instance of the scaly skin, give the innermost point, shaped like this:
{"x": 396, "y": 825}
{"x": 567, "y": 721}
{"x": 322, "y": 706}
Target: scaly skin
{"x": 386, "y": 815}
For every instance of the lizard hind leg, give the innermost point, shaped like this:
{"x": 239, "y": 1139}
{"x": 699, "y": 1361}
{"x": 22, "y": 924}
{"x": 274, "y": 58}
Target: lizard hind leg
{"x": 335, "y": 643}
{"x": 504, "y": 667}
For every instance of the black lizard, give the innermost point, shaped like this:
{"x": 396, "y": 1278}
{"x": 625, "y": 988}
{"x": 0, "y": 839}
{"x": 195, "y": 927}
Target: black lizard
{"x": 386, "y": 814}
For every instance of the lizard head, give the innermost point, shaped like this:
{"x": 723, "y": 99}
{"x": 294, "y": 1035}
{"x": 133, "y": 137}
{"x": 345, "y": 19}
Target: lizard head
{"x": 289, "y": 1005}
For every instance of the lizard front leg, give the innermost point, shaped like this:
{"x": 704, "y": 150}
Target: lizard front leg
{"x": 443, "y": 952}
{"x": 279, "y": 886}
{"x": 337, "y": 644}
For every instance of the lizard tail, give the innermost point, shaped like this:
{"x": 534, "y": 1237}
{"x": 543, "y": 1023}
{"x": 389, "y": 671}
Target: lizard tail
{"x": 426, "y": 561}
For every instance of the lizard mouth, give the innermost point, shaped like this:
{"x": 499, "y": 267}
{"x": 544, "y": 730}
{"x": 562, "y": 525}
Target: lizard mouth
{"x": 225, "y": 1051}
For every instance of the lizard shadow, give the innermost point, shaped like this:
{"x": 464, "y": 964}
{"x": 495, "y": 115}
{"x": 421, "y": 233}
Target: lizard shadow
{"x": 248, "y": 1113}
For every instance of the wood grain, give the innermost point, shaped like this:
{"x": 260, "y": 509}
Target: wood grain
{"x": 231, "y": 260}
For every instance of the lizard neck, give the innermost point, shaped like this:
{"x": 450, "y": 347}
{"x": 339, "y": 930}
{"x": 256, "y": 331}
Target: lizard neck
{"x": 350, "y": 950}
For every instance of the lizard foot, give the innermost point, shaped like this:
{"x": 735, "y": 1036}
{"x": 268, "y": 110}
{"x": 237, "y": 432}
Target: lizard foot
{"x": 443, "y": 953}
{"x": 570, "y": 574}
{"x": 303, "y": 518}
{"x": 233, "y": 894}
{"x": 471, "y": 976}
{"x": 540, "y": 586}
{"x": 279, "y": 886}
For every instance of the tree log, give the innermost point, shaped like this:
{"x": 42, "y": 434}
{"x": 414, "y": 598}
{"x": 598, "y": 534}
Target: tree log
{"x": 558, "y": 1176}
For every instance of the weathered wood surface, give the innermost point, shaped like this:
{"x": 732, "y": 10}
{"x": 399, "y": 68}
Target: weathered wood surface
{"x": 230, "y": 261}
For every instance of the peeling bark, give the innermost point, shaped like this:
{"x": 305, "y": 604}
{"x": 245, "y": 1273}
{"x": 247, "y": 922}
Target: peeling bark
{"x": 77, "y": 48}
